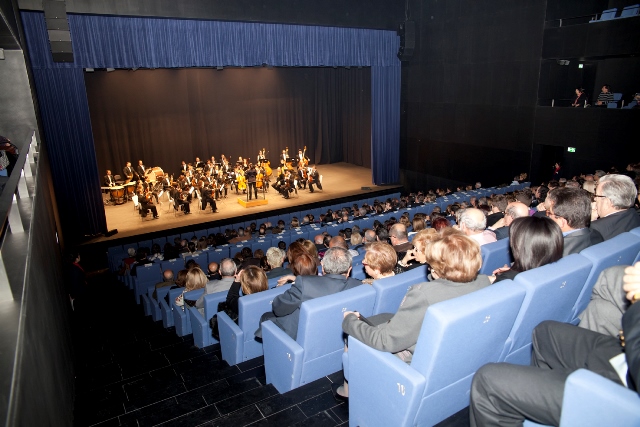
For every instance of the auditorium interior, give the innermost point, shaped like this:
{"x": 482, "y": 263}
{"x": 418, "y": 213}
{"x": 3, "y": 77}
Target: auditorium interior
{"x": 385, "y": 97}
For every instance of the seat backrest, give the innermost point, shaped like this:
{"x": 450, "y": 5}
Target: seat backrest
{"x": 460, "y": 335}
{"x": 608, "y": 14}
{"x": 495, "y": 255}
{"x": 145, "y": 244}
{"x": 617, "y": 96}
{"x": 627, "y": 12}
{"x": 211, "y": 302}
{"x": 391, "y": 290}
{"x": 149, "y": 273}
{"x": 620, "y": 250}
{"x": 200, "y": 258}
{"x": 320, "y": 324}
{"x": 252, "y": 307}
{"x": 552, "y": 290}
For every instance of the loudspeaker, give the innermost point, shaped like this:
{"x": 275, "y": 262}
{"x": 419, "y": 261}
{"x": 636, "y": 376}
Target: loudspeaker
{"x": 55, "y": 16}
{"x": 407, "y": 33}
{"x": 111, "y": 232}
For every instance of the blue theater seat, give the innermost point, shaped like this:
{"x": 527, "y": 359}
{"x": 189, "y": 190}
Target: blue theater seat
{"x": 458, "y": 336}
{"x": 495, "y": 255}
{"x": 166, "y": 309}
{"x": 318, "y": 349}
{"x": 181, "y": 320}
{"x": 391, "y": 290}
{"x": 200, "y": 324}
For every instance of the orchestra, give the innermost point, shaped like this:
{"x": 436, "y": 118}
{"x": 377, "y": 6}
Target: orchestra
{"x": 211, "y": 180}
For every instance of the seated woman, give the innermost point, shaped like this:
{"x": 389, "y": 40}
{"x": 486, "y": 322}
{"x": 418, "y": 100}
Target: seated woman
{"x": 251, "y": 280}
{"x": 195, "y": 279}
{"x": 534, "y": 241}
{"x": 379, "y": 261}
{"x": 455, "y": 260}
{"x": 301, "y": 262}
{"x": 581, "y": 98}
{"x": 417, "y": 253}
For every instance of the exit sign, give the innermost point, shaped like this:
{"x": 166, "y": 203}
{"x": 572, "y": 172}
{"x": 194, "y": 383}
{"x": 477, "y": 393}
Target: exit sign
{"x": 571, "y": 149}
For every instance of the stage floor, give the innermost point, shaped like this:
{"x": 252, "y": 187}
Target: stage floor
{"x": 339, "y": 180}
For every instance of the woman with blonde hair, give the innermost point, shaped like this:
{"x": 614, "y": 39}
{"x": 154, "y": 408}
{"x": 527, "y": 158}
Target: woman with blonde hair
{"x": 195, "y": 279}
{"x": 379, "y": 261}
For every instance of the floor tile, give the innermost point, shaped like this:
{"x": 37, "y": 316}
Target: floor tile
{"x": 341, "y": 412}
{"x": 318, "y": 404}
{"x": 321, "y": 419}
{"x": 282, "y": 401}
{"x": 252, "y": 396}
{"x": 239, "y": 418}
{"x": 287, "y": 417}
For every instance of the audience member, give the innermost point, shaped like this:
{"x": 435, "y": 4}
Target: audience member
{"x": 498, "y": 205}
{"x": 570, "y": 208}
{"x": 213, "y": 273}
{"x": 228, "y": 273}
{"x": 379, "y": 261}
{"x": 615, "y": 195}
{"x": 607, "y": 304}
{"x": 336, "y": 266}
{"x": 251, "y": 280}
{"x": 195, "y": 280}
{"x": 514, "y": 210}
{"x": 473, "y": 224}
{"x": 417, "y": 254}
{"x": 167, "y": 275}
{"x": 275, "y": 258}
{"x": 534, "y": 242}
{"x": 605, "y": 96}
{"x": 581, "y": 98}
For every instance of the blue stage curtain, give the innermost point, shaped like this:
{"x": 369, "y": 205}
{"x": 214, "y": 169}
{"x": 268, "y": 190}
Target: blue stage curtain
{"x": 64, "y": 110}
{"x": 385, "y": 124}
{"x": 129, "y": 42}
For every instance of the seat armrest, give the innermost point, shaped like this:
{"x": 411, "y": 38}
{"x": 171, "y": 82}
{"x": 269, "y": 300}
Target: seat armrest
{"x": 372, "y": 396}
{"x": 167, "y": 316}
{"x": 231, "y": 339}
{"x": 282, "y": 358}
{"x": 199, "y": 328}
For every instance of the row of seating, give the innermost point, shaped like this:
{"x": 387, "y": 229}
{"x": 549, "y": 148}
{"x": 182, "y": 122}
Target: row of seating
{"x": 609, "y": 14}
{"x": 461, "y": 335}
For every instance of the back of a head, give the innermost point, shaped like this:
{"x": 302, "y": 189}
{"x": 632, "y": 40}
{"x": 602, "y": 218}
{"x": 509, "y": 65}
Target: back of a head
{"x": 246, "y": 252}
{"x": 524, "y": 198}
{"x": 422, "y": 237}
{"x": 499, "y": 202}
{"x": 439, "y": 223}
{"x": 382, "y": 257}
{"x": 181, "y": 279}
{"x": 572, "y": 204}
{"x": 167, "y": 275}
{"x": 275, "y": 257}
{"x": 399, "y": 230}
{"x": 356, "y": 239}
{"x": 213, "y": 267}
{"x": 304, "y": 265}
{"x": 196, "y": 279}
{"x": 517, "y": 210}
{"x": 227, "y": 268}
{"x": 535, "y": 241}
{"x": 336, "y": 261}
{"x": 473, "y": 219}
{"x": 619, "y": 189}
{"x": 338, "y": 241}
{"x": 253, "y": 280}
{"x": 370, "y": 236}
{"x": 454, "y": 257}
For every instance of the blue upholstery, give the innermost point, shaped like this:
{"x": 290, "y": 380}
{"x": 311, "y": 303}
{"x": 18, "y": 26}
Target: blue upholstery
{"x": 391, "y": 290}
{"x": 357, "y": 271}
{"x": 620, "y": 250}
{"x": 146, "y": 304}
{"x": 181, "y": 320}
{"x": 237, "y": 341}
{"x": 630, "y": 11}
{"x": 458, "y": 336}
{"x": 552, "y": 290}
{"x": 200, "y": 258}
{"x": 606, "y": 15}
{"x": 148, "y": 274}
{"x": 591, "y": 400}
{"x": 636, "y": 232}
{"x": 145, "y": 244}
{"x": 318, "y": 349}
{"x": 156, "y": 311}
{"x": 166, "y": 309}
{"x": 200, "y": 324}
{"x": 495, "y": 255}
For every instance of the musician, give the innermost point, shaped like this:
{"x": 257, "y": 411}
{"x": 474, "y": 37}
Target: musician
{"x": 144, "y": 198}
{"x": 284, "y": 157}
{"x": 198, "y": 163}
{"x": 250, "y": 175}
{"x": 128, "y": 172}
{"x": 302, "y": 158}
{"x": 261, "y": 157}
{"x": 166, "y": 182}
{"x": 140, "y": 169}
{"x": 183, "y": 167}
{"x": 109, "y": 181}
{"x": 302, "y": 177}
{"x": 207, "y": 198}
{"x": 314, "y": 178}
{"x": 181, "y": 199}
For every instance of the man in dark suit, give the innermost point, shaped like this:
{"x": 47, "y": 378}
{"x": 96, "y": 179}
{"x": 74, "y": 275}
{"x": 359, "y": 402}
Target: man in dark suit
{"x": 275, "y": 258}
{"x": 109, "y": 181}
{"x": 514, "y": 210}
{"x": 140, "y": 169}
{"x": 129, "y": 172}
{"x": 615, "y": 197}
{"x": 570, "y": 208}
{"x": 504, "y": 394}
{"x": 336, "y": 266}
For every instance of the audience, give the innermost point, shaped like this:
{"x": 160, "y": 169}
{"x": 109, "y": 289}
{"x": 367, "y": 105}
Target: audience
{"x": 473, "y": 224}
{"x": 228, "y": 272}
{"x": 168, "y": 281}
{"x": 275, "y": 258}
{"x": 195, "y": 279}
{"x": 379, "y": 261}
{"x": 615, "y": 196}
{"x": 514, "y": 210}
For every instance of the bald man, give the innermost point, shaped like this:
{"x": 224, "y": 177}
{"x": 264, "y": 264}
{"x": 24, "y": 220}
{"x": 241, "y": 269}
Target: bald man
{"x": 213, "y": 271}
{"x": 473, "y": 224}
{"x": 514, "y": 210}
{"x": 167, "y": 277}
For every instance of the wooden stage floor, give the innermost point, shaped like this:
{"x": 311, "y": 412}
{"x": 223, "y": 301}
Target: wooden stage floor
{"x": 340, "y": 180}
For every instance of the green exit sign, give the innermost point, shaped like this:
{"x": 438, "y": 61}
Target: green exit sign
{"x": 571, "y": 149}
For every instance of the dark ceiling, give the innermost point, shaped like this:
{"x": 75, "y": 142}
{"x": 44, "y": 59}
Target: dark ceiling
{"x": 8, "y": 26}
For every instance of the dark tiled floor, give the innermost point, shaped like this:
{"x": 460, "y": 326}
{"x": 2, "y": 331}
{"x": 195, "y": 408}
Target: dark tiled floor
{"x": 131, "y": 371}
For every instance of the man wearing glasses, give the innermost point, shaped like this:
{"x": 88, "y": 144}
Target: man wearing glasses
{"x": 615, "y": 197}
{"x": 570, "y": 208}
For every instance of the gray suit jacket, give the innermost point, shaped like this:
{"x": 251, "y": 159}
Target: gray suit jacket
{"x": 579, "y": 240}
{"x": 400, "y": 334}
{"x": 286, "y": 306}
{"x": 215, "y": 286}
{"x": 608, "y": 303}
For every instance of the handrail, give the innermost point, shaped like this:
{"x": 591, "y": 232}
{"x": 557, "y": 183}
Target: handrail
{"x": 6, "y": 197}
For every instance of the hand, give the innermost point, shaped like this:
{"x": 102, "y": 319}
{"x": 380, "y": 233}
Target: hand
{"x": 409, "y": 256}
{"x": 499, "y": 224}
{"x": 285, "y": 279}
{"x": 346, "y": 313}
{"x": 631, "y": 281}
{"x": 492, "y": 279}
{"x": 500, "y": 270}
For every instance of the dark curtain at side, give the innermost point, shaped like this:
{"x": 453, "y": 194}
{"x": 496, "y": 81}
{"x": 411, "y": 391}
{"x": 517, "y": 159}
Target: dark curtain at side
{"x": 385, "y": 128}
{"x": 65, "y": 118}
{"x": 165, "y": 116}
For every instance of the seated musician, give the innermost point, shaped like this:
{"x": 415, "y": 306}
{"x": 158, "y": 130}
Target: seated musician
{"x": 181, "y": 199}
{"x": 198, "y": 163}
{"x": 302, "y": 176}
{"x": 166, "y": 182}
{"x": 146, "y": 204}
{"x": 207, "y": 198}
{"x": 109, "y": 181}
{"x": 128, "y": 172}
{"x": 314, "y": 178}
{"x": 183, "y": 167}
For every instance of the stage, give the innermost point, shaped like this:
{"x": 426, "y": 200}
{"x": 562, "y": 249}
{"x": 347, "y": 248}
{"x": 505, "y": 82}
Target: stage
{"x": 340, "y": 180}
